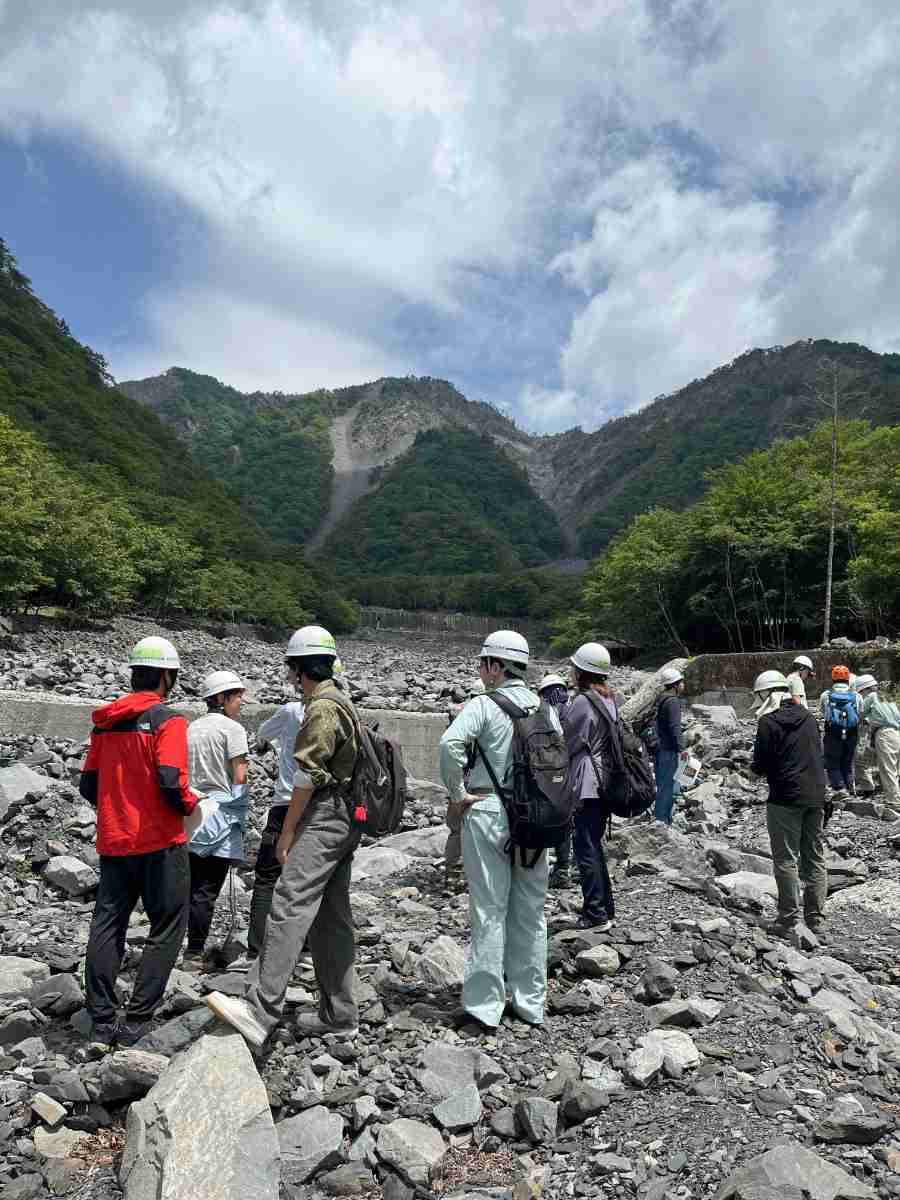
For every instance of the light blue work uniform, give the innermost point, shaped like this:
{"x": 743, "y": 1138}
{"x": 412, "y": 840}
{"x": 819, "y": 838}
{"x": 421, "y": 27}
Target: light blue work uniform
{"x": 506, "y": 900}
{"x": 282, "y": 727}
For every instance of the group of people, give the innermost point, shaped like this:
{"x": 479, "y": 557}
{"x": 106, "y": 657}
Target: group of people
{"x": 801, "y": 765}
{"x": 172, "y": 806}
{"x": 172, "y": 803}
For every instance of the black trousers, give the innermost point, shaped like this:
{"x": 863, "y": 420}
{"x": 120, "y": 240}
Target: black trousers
{"x": 839, "y": 752}
{"x": 161, "y": 881}
{"x": 268, "y": 872}
{"x": 207, "y": 877}
{"x": 595, "y": 883}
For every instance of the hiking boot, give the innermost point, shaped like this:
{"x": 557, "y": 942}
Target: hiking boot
{"x": 311, "y": 1025}
{"x": 105, "y": 1033}
{"x": 132, "y": 1031}
{"x": 598, "y": 924}
{"x": 839, "y": 796}
{"x": 781, "y": 928}
{"x": 560, "y": 877}
{"x": 239, "y": 1015}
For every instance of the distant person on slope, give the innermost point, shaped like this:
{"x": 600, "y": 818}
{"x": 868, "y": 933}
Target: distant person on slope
{"x": 840, "y": 709}
{"x": 787, "y": 752}
{"x": 589, "y": 723}
{"x": 669, "y": 744}
{"x": 798, "y": 678}
{"x": 883, "y": 723}
{"x": 135, "y": 775}
{"x": 217, "y": 765}
{"x": 506, "y": 899}
{"x": 553, "y": 690}
{"x": 315, "y": 851}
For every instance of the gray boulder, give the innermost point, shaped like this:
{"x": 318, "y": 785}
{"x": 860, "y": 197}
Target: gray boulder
{"x": 462, "y": 1110}
{"x": 205, "y": 1129}
{"x": 17, "y": 782}
{"x": 538, "y": 1118}
{"x": 582, "y": 1100}
{"x": 412, "y": 1148}
{"x": 70, "y": 874}
{"x": 59, "y": 995}
{"x": 129, "y": 1073}
{"x": 684, "y": 1013}
{"x": 418, "y": 843}
{"x": 597, "y": 962}
{"x": 310, "y": 1142}
{"x": 658, "y": 849}
{"x": 659, "y": 981}
{"x": 792, "y": 1166}
{"x": 442, "y": 963}
{"x": 649, "y": 692}
{"x": 19, "y": 975}
{"x": 378, "y": 862}
{"x": 447, "y": 1069}
{"x": 749, "y": 887}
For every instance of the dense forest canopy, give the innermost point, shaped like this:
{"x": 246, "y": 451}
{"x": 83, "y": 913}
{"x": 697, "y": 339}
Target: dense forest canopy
{"x": 454, "y": 503}
{"x": 745, "y": 567}
{"x": 102, "y": 507}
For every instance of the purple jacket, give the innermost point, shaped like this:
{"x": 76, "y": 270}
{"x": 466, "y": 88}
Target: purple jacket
{"x": 584, "y": 727}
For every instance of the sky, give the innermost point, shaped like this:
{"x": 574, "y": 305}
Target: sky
{"x": 566, "y": 207}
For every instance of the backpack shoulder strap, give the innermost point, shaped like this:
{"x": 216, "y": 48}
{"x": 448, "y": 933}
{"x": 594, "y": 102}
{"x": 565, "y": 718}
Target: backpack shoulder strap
{"x": 508, "y": 706}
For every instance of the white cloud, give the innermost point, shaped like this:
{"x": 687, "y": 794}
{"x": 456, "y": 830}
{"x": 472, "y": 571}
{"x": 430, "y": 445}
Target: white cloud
{"x": 677, "y": 280}
{"x": 253, "y": 342}
{"x": 587, "y": 204}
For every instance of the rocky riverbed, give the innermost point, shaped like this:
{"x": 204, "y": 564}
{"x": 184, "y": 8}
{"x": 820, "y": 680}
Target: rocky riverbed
{"x": 685, "y": 1054}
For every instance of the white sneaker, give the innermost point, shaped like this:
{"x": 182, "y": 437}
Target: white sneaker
{"x": 243, "y": 963}
{"x": 237, "y": 1013}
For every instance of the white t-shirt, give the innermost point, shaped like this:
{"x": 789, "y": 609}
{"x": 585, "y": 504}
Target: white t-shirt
{"x": 213, "y": 741}
{"x": 282, "y": 728}
{"x": 798, "y": 688}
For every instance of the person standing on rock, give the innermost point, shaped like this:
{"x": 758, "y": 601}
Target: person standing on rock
{"x": 590, "y": 722}
{"x": 136, "y": 776}
{"x": 799, "y": 677}
{"x": 840, "y": 709}
{"x": 217, "y": 766}
{"x": 669, "y": 743}
{"x": 314, "y": 849}
{"x": 553, "y": 690}
{"x": 787, "y": 752}
{"x": 506, "y": 899}
{"x": 882, "y": 719}
{"x": 282, "y": 727}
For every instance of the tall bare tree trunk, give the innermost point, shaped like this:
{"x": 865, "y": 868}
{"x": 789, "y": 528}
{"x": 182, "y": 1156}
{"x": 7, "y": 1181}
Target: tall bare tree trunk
{"x": 834, "y": 456}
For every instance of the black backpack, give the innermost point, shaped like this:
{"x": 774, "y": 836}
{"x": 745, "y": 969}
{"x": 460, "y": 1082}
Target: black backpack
{"x": 647, "y": 729}
{"x": 539, "y": 804}
{"x": 629, "y": 787}
{"x": 376, "y": 791}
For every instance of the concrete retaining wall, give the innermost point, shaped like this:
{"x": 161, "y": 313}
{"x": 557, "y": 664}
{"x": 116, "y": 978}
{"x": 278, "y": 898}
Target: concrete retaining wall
{"x": 48, "y": 716}
{"x": 728, "y": 678}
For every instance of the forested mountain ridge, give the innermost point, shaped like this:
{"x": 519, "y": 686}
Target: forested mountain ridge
{"x": 103, "y": 507}
{"x": 319, "y": 453}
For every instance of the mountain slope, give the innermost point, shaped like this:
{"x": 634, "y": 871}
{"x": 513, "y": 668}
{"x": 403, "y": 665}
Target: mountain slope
{"x": 89, "y": 473}
{"x": 598, "y": 481}
{"x": 455, "y": 502}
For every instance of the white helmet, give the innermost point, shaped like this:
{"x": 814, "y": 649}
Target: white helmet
{"x": 221, "y": 681}
{"x": 311, "y": 640}
{"x": 802, "y": 661}
{"x": 551, "y": 680}
{"x": 669, "y": 676}
{"x": 508, "y": 646}
{"x": 155, "y": 652}
{"x": 865, "y": 682}
{"x": 593, "y": 658}
{"x": 771, "y": 681}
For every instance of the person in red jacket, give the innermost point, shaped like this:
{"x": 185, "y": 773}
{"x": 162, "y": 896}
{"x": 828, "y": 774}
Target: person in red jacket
{"x": 135, "y": 774}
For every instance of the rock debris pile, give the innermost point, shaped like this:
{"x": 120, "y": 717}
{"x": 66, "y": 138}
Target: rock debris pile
{"x": 686, "y": 1053}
